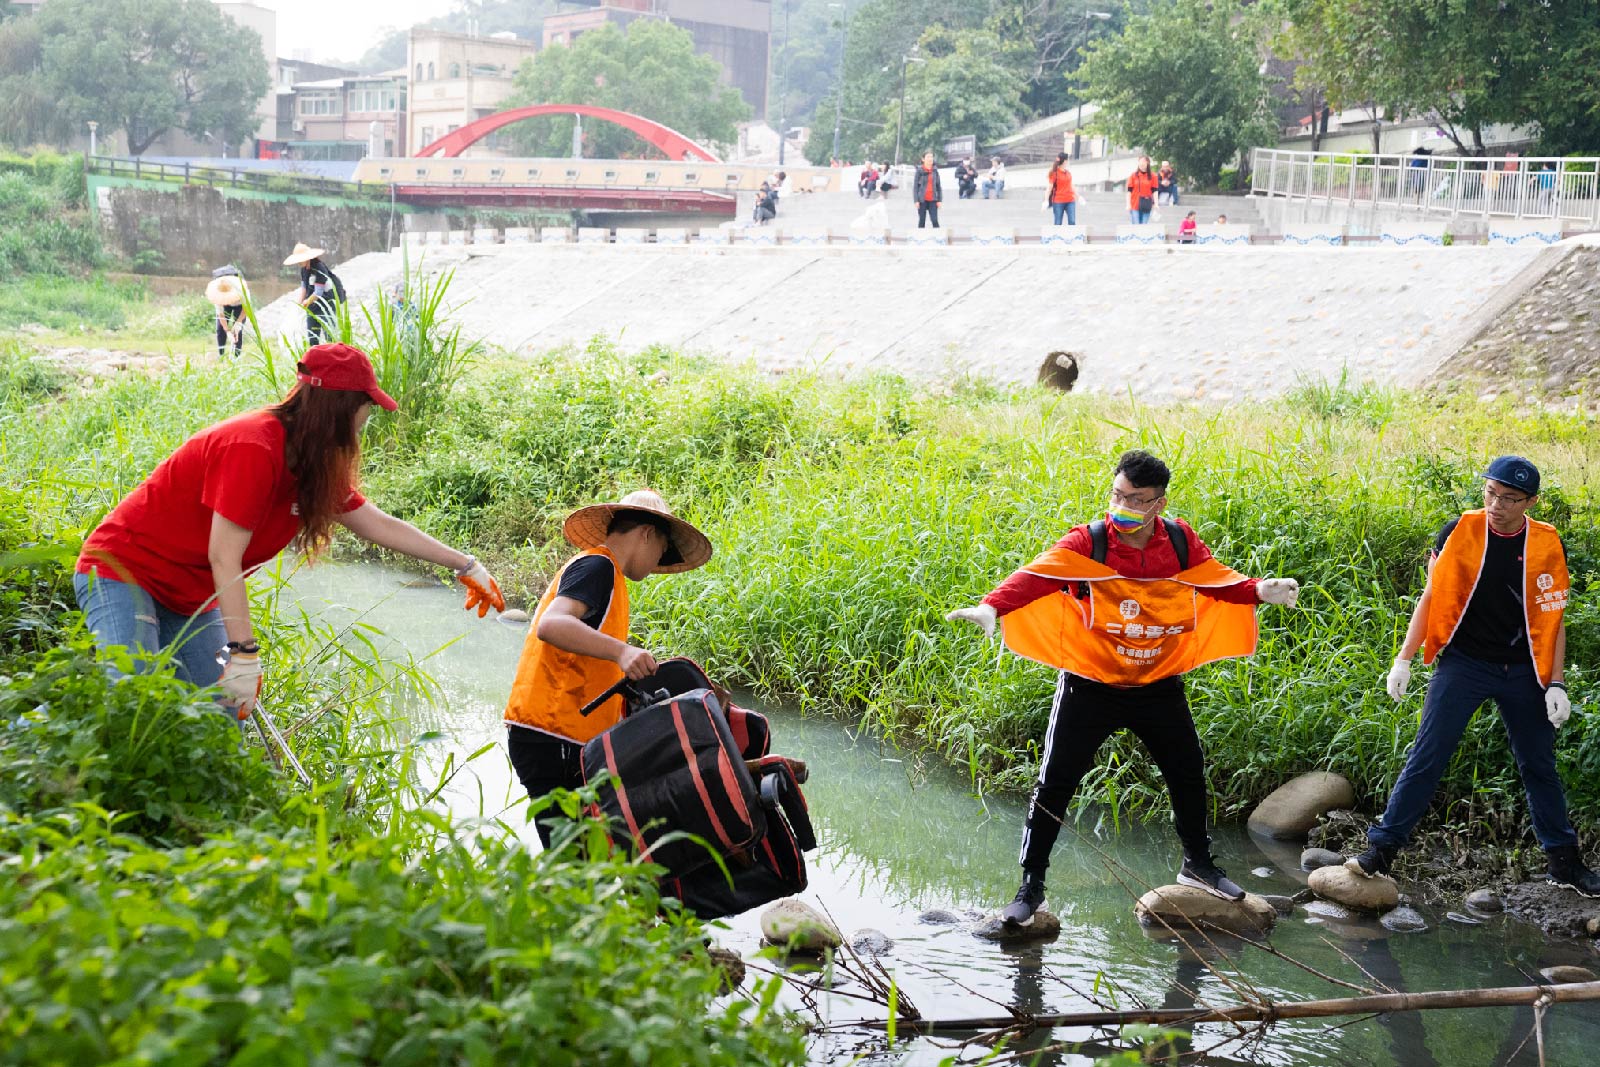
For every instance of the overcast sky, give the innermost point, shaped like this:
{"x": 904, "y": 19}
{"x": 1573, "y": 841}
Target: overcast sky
{"x": 344, "y": 29}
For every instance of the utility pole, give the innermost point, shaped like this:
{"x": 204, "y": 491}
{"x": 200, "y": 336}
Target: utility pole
{"x": 900, "y": 127}
{"x": 783, "y": 88}
{"x": 1083, "y": 39}
{"x": 838, "y": 96}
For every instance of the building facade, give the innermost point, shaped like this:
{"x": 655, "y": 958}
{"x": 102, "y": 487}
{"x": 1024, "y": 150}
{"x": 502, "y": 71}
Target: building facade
{"x": 345, "y": 116}
{"x": 456, "y": 79}
{"x": 737, "y": 34}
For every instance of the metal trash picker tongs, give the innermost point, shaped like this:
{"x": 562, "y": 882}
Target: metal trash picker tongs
{"x": 270, "y": 736}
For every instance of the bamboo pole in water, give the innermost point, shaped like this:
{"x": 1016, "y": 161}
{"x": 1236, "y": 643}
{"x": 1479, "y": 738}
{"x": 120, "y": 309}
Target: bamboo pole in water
{"x": 1267, "y": 1012}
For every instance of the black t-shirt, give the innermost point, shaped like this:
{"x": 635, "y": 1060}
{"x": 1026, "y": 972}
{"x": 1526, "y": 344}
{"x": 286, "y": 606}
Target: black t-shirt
{"x": 1494, "y": 628}
{"x": 590, "y": 581}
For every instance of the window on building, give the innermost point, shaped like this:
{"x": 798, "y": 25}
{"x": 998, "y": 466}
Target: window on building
{"x": 430, "y": 72}
{"x": 320, "y": 102}
{"x": 452, "y": 128}
{"x": 455, "y": 70}
{"x": 427, "y": 136}
{"x": 419, "y": 72}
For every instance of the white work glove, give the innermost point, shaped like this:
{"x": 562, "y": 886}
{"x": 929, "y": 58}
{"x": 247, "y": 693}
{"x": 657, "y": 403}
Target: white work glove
{"x": 1399, "y": 678}
{"x": 1557, "y": 705}
{"x": 1280, "y": 591}
{"x": 241, "y": 681}
{"x": 981, "y": 616}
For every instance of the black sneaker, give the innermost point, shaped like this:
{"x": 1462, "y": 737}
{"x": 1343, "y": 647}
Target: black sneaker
{"x": 1204, "y": 874}
{"x": 1029, "y": 896}
{"x": 1568, "y": 870}
{"x": 1374, "y": 861}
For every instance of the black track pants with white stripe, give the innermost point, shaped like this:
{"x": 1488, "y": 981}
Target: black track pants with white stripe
{"x": 1084, "y": 715}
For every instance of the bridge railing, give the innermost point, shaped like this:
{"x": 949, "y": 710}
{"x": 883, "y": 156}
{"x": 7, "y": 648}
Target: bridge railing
{"x": 222, "y": 176}
{"x": 1522, "y": 187}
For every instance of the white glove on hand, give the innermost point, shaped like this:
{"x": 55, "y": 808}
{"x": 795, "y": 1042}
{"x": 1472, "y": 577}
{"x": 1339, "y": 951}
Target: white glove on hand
{"x": 1399, "y": 678}
{"x": 981, "y": 616}
{"x": 241, "y": 681}
{"x": 1557, "y": 705}
{"x": 1280, "y": 591}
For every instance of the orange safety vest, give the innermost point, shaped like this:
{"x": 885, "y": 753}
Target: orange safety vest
{"x": 552, "y": 683}
{"x": 1455, "y": 577}
{"x": 1129, "y": 631}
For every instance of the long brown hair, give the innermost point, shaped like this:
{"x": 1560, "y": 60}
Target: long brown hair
{"x": 323, "y": 453}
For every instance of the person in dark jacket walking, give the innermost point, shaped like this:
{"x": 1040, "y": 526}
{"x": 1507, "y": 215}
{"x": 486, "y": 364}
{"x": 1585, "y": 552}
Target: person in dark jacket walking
{"x": 927, "y": 192}
{"x": 321, "y": 292}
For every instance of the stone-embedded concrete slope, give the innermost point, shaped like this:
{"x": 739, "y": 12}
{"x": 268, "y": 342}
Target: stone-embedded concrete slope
{"x": 1170, "y": 323}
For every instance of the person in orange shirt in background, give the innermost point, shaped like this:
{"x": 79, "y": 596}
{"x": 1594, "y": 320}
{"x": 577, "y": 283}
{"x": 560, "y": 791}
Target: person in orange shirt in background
{"x": 1124, "y": 606}
{"x": 578, "y": 647}
{"x": 1492, "y": 619}
{"x": 927, "y": 192}
{"x": 1142, "y": 186}
{"x": 1059, "y": 196}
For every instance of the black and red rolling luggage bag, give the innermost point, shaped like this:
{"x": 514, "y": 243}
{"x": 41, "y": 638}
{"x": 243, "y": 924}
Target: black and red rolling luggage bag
{"x": 687, "y": 772}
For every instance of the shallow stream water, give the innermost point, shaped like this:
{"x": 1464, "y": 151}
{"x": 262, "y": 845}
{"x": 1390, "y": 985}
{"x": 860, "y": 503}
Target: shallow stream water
{"x": 901, "y": 835}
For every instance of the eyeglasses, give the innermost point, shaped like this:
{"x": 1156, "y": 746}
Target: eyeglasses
{"x": 1119, "y": 497}
{"x": 1508, "y": 499}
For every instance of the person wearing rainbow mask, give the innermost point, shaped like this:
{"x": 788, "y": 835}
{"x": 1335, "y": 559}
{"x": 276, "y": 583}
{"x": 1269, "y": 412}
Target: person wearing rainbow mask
{"x": 1123, "y": 607}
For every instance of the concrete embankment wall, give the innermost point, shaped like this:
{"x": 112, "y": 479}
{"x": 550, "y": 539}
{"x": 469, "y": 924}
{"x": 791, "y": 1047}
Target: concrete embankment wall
{"x": 1163, "y": 323}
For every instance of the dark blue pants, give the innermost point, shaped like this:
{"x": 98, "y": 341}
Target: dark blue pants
{"x": 1459, "y": 687}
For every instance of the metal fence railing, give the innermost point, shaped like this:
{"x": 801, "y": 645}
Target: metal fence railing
{"x": 1522, "y": 187}
{"x": 222, "y": 176}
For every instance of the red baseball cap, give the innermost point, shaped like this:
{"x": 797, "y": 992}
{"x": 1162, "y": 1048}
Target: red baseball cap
{"x": 341, "y": 366}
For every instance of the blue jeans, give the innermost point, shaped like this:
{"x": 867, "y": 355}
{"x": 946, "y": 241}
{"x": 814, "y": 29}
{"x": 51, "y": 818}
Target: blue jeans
{"x": 120, "y": 613}
{"x": 1459, "y": 687}
{"x": 1069, "y": 209}
{"x": 1138, "y": 218}
{"x": 998, "y": 188}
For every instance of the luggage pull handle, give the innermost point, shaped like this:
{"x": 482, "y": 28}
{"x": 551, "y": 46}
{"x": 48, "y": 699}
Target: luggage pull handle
{"x": 776, "y": 793}
{"x": 631, "y": 694}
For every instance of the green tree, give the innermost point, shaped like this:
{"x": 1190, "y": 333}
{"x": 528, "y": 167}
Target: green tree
{"x": 1184, "y": 82}
{"x": 30, "y": 115}
{"x": 968, "y": 83}
{"x": 149, "y": 66}
{"x": 1469, "y": 63}
{"x": 651, "y": 69}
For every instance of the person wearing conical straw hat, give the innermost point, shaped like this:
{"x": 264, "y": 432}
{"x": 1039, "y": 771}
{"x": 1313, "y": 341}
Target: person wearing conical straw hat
{"x": 578, "y": 646}
{"x": 226, "y": 292}
{"x": 321, "y": 291}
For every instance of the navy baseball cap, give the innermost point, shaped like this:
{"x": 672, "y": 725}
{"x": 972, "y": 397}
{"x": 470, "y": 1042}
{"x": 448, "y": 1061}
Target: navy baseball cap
{"x": 1516, "y": 472}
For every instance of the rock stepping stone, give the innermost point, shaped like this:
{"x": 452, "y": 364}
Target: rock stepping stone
{"x": 1373, "y": 896}
{"x": 730, "y": 964}
{"x": 1567, "y": 975}
{"x": 1044, "y": 927}
{"x": 794, "y": 925}
{"x": 1281, "y": 905}
{"x": 1404, "y": 920}
{"x": 1316, "y": 858}
{"x": 869, "y": 942}
{"x": 939, "y": 917}
{"x": 1485, "y": 900}
{"x": 1292, "y": 809}
{"x": 1181, "y": 907}
{"x": 514, "y": 615}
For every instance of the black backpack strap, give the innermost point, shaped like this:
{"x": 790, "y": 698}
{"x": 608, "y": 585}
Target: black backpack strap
{"x": 1180, "y": 541}
{"x": 1097, "y": 540}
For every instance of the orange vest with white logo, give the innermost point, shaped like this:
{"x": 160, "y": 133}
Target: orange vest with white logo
{"x": 552, "y": 683}
{"x": 1129, "y": 631}
{"x": 1544, "y": 587}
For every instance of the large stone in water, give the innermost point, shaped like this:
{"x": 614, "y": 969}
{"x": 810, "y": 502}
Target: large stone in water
{"x": 1316, "y": 858}
{"x": 1485, "y": 900}
{"x": 1341, "y": 885}
{"x": 799, "y": 927}
{"x": 1044, "y": 927}
{"x": 1182, "y": 907}
{"x": 1404, "y": 920}
{"x": 1568, "y": 975}
{"x": 516, "y": 615}
{"x": 870, "y": 942}
{"x": 1292, "y": 809}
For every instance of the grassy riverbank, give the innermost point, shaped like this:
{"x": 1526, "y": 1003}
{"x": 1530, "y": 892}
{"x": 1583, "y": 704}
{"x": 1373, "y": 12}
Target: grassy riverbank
{"x": 170, "y": 899}
{"x": 848, "y": 518}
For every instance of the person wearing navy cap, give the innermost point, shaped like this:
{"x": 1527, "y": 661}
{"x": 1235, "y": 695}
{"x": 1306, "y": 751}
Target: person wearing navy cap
{"x": 1491, "y": 621}
{"x": 164, "y": 572}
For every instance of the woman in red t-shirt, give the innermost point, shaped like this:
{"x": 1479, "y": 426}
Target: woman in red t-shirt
{"x": 1142, "y": 186}
{"x": 166, "y": 569}
{"x": 1059, "y": 195}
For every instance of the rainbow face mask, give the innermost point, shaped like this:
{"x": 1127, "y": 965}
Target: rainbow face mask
{"x": 1126, "y": 520}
